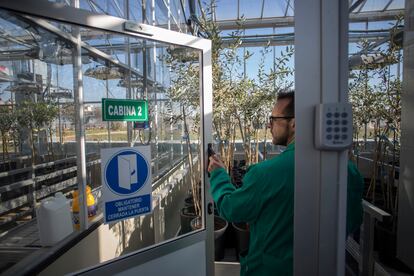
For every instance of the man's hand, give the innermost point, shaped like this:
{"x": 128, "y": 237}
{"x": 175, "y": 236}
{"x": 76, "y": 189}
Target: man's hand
{"x": 215, "y": 163}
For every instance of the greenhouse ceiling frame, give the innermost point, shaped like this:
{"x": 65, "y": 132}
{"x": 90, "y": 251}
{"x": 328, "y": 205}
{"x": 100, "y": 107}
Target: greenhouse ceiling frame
{"x": 356, "y": 15}
{"x": 288, "y": 21}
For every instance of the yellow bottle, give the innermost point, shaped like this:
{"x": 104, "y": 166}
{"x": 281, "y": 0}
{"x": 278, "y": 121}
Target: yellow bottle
{"x": 90, "y": 200}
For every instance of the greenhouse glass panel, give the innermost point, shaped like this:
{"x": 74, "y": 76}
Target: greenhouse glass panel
{"x": 258, "y": 31}
{"x": 357, "y": 26}
{"x": 135, "y": 10}
{"x": 40, "y": 145}
{"x": 290, "y": 11}
{"x": 374, "y": 5}
{"x": 250, "y": 9}
{"x": 381, "y": 25}
{"x": 397, "y": 4}
{"x": 226, "y": 9}
{"x": 274, "y": 8}
{"x": 284, "y": 30}
{"x": 161, "y": 13}
{"x": 109, "y": 7}
{"x": 37, "y": 99}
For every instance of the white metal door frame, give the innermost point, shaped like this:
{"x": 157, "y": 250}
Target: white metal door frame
{"x": 66, "y": 14}
{"x": 321, "y": 76}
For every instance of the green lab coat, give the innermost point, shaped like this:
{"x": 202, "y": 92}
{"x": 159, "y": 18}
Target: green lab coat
{"x": 265, "y": 201}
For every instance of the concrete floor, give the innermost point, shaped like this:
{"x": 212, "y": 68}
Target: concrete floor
{"x": 227, "y": 269}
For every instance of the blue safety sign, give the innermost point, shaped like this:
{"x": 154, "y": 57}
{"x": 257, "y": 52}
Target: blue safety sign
{"x": 126, "y": 179}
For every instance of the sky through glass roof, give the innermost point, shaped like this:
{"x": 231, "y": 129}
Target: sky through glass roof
{"x": 232, "y": 9}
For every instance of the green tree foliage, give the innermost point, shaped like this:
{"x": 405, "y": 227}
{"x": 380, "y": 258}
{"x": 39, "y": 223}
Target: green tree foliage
{"x": 375, "y": 94}
{"x": 37, "y": 117}
{"x": 241, "y": 104}
{"x": 7, "y": 125}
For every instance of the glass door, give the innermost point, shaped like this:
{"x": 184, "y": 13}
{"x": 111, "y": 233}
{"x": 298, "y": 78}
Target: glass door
{"x": 71, "y": 60}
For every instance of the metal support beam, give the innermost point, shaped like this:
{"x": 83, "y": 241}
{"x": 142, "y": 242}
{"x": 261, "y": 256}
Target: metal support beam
{"x": 289, "y": 38}
{"x": 79, "y": 124}
{"x": 362, "y": 5}
{"x": 91, "y": 50}
{"x": 261, "y": 13}
{"x": 287, "y": 7}
{"x": 288, "y": 21}
{"x": 355, "y": 5}
{"x": 387, "y": 5}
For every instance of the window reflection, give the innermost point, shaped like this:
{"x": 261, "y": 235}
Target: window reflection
{"x": 38, "y": 129}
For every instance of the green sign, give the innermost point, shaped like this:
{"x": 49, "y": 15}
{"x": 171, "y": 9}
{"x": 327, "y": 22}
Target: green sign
{"x": 124, "y": 110}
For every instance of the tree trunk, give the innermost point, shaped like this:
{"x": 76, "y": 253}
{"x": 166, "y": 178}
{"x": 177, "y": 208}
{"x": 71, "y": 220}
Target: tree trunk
{"x": 257, "y": 145}
{"x": 243, "y": 139}
{"x": 357, "y": 147}
{"x": 264, "y": 144}
{"x": 191, "y": 167}
{"x": 3, "y": 139}
{"x": 51, "y": 143}
{"x": 365, "y": 135}
{"x": 219, "y": 130}
{"x": 248, "y": 144}
{"x": 231, "y": 156}
{"x": 32, "y": 188}
{"x": 7, "y": 146}
{"x": 392, "y": 175}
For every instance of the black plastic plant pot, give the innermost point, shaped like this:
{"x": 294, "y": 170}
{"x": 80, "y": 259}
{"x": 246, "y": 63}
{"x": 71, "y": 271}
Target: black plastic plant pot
{"x": 230, "y": 237}
{"x": 220, "y": 226}
{"x": 242, "y": 237}
{"x": 186, "y": 215}
{"x": 386, "y": 243}
{"x": 189, "y": 201}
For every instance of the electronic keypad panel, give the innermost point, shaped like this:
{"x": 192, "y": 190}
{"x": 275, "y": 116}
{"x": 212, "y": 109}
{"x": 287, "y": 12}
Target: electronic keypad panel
{"x": 333, "y": 126}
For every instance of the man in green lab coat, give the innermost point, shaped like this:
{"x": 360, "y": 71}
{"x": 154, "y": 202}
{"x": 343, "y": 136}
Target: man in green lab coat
{"x": 265, "y": 200}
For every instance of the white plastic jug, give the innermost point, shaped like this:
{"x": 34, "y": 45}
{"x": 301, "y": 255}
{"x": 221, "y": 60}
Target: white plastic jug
{"x": 54, "y": 219}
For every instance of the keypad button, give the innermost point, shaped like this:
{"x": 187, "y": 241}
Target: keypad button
{"x": 344, "y": 114}
{"x": 329, "y": 122}
{"x": 336, "y": 114}
{"x": 329, "y": 137}
{"x": 328, "y": 129}
{"x": 336, "y": 129}
{"x": 336, "y": 137}
{"x": 344, "y": 122}
{"x": 336, "y": 122}
{"x": 329, "y": 114}
{"x": 344, "y": 136}
{"x": 344, "y": 129}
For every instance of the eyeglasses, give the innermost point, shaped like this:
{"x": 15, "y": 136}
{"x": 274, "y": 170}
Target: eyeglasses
{"x": 271, "y": 118}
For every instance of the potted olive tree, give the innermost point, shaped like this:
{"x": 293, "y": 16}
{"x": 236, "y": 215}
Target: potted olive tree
{"x": 34, "y": 117}
{"x": 376, "y": 97}
{"x": 184, "y": 106}
{"x": 241, "y": 104}
{"x": 7, "y": 125}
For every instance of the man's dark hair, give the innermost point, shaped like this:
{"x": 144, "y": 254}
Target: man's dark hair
{"x": 290, "y": 108}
